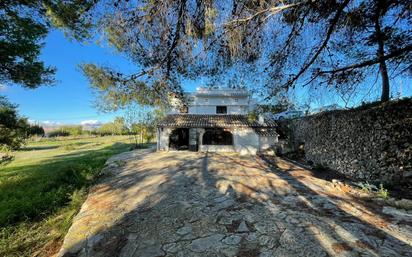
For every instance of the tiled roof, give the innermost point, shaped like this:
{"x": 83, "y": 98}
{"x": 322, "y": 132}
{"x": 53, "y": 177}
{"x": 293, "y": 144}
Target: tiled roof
{"x": 212, "y": 121}
{"x": 222, "y": 93}
{"x": 266, "y": 131}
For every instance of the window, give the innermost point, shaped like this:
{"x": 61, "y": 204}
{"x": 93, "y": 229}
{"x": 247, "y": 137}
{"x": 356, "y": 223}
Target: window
{"x": 217, "y": 137}
{"x": 221, "y": 109}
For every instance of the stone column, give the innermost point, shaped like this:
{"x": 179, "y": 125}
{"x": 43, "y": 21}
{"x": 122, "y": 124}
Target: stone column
{"x": 193, "y": 146}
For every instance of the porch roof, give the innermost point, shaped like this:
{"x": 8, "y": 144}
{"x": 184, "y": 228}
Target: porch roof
{"x": 212, "y": 121}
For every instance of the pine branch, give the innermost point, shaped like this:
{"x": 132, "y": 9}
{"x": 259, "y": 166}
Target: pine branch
{"x": 329, "y": 33}
{"x": 270, "y": 11}
{"x": 370, "y": 62}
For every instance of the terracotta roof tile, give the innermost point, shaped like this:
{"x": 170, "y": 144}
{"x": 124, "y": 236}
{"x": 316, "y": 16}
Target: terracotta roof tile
{"x": 212, "y": 121}
{"x": 266, "y": 131}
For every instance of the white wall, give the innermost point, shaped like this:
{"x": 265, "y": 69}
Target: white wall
{"x": 211, "y": 109}
{"x": 205, "y": 100}
{"x": 220, "y": 100}
{"x": 245, "y": 141}
{"x": 163, "y": 139}
{"x": 265, "y": 142}
{"x": 207, "y": 104}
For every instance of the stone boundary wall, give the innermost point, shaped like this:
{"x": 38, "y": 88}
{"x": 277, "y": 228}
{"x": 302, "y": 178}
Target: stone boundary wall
{"x": 369, "y": 143}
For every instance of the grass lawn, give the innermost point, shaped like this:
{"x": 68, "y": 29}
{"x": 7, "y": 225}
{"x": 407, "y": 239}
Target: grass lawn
{"x": 43, "y": 188}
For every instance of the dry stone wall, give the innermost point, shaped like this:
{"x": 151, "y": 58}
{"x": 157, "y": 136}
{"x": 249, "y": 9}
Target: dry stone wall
{"x": 369, "y": 143}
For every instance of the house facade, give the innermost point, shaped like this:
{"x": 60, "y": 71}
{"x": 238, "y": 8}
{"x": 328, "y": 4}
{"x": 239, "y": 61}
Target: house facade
{"x": 216, "y": 120}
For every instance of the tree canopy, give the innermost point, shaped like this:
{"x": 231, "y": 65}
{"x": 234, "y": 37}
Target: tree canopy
{"x": 13, "y": 128}
{"x": 23, "y": 26}
{"x": 275, "y": 44}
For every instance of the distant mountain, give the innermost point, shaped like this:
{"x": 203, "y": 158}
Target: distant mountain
{"x": 90, "y": 124}
{"x": 51, "y": 125}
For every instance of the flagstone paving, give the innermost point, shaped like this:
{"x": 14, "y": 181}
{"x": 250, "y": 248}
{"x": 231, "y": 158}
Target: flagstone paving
{"x": 197, "y": 204}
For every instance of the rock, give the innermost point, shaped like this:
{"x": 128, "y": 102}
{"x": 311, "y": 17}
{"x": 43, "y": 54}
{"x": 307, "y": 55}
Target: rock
{"x": 295, "y": 243}
{"x": 150, "y": 250}
{"x": 221, "y": 199}
{"x": 202, "y": 244}
{"x": 224, "y": 220}
{"x": 263, "y": 240}
{"x": 171, "y": 248}
{"x": 379, "y": 200}
{"x": 242, "y": 227}
{"x": 232, "y": 240}
{"x": 93, "y": 240}
{"x": 390, "y": 201}
{"x": 250, "y": 217}
{"x": 266, "y": 254}
{"x": 229, "y": 251}
{"x": 335, "y": 181}
{"x": 251, "y": 237}
{"x": 407, "y": 174}
{"x": 404, "y": 204}
{"x": 184, "y": 230}
{"x": 397, "y": 213}
{"x": 260, "y": 227}
{"x": 225, "y": 204}
{"x": 292, "y": 220}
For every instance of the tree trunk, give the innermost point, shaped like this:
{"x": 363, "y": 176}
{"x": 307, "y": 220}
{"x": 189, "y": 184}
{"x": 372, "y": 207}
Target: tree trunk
{"x": 382, "y": 64}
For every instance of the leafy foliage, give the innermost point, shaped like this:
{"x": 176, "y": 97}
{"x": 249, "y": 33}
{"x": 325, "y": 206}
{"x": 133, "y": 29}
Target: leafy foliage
{"x": 366, "y": 187}
{"x": 23, "y": 27}
{"x": 36, "y": 130}
{"x": 65, "y": 131}
{"x": 117, "y": 127}
{"x": 272, "y": 45}
{"x": 13, "y": 128}
{"x": 380, "y": 191}
{"x": 141, "y": 123}
{"x": 383, "y": 192}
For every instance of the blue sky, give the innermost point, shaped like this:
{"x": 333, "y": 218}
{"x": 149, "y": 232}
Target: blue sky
{"x": 70, "y": 100}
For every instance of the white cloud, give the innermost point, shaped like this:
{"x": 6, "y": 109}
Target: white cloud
{"x": 45, "y": 122}
{"x": 91, "y": 123}
{"x": 48, "y": 122}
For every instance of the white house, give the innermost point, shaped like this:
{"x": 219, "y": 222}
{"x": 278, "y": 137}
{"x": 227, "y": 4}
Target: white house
{"x": 216, "y": 120}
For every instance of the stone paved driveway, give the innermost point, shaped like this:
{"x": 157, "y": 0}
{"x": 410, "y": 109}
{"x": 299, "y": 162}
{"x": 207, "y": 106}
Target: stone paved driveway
{"x": 196, "y": 204}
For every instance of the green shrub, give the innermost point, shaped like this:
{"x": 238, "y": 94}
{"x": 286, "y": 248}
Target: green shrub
{"x": 65, "y": 131}
{"x": 58, "y": 133}
{"x": 382, "y": 192}
{"x": 14, "y": 130}
{"x": 366, "y": 187}
{"x": 36, "y": 130}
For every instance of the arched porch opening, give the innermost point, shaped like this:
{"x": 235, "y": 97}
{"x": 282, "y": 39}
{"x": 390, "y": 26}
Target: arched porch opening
{"x": 217, "y": 137}
{"x": 179, "y": 139}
